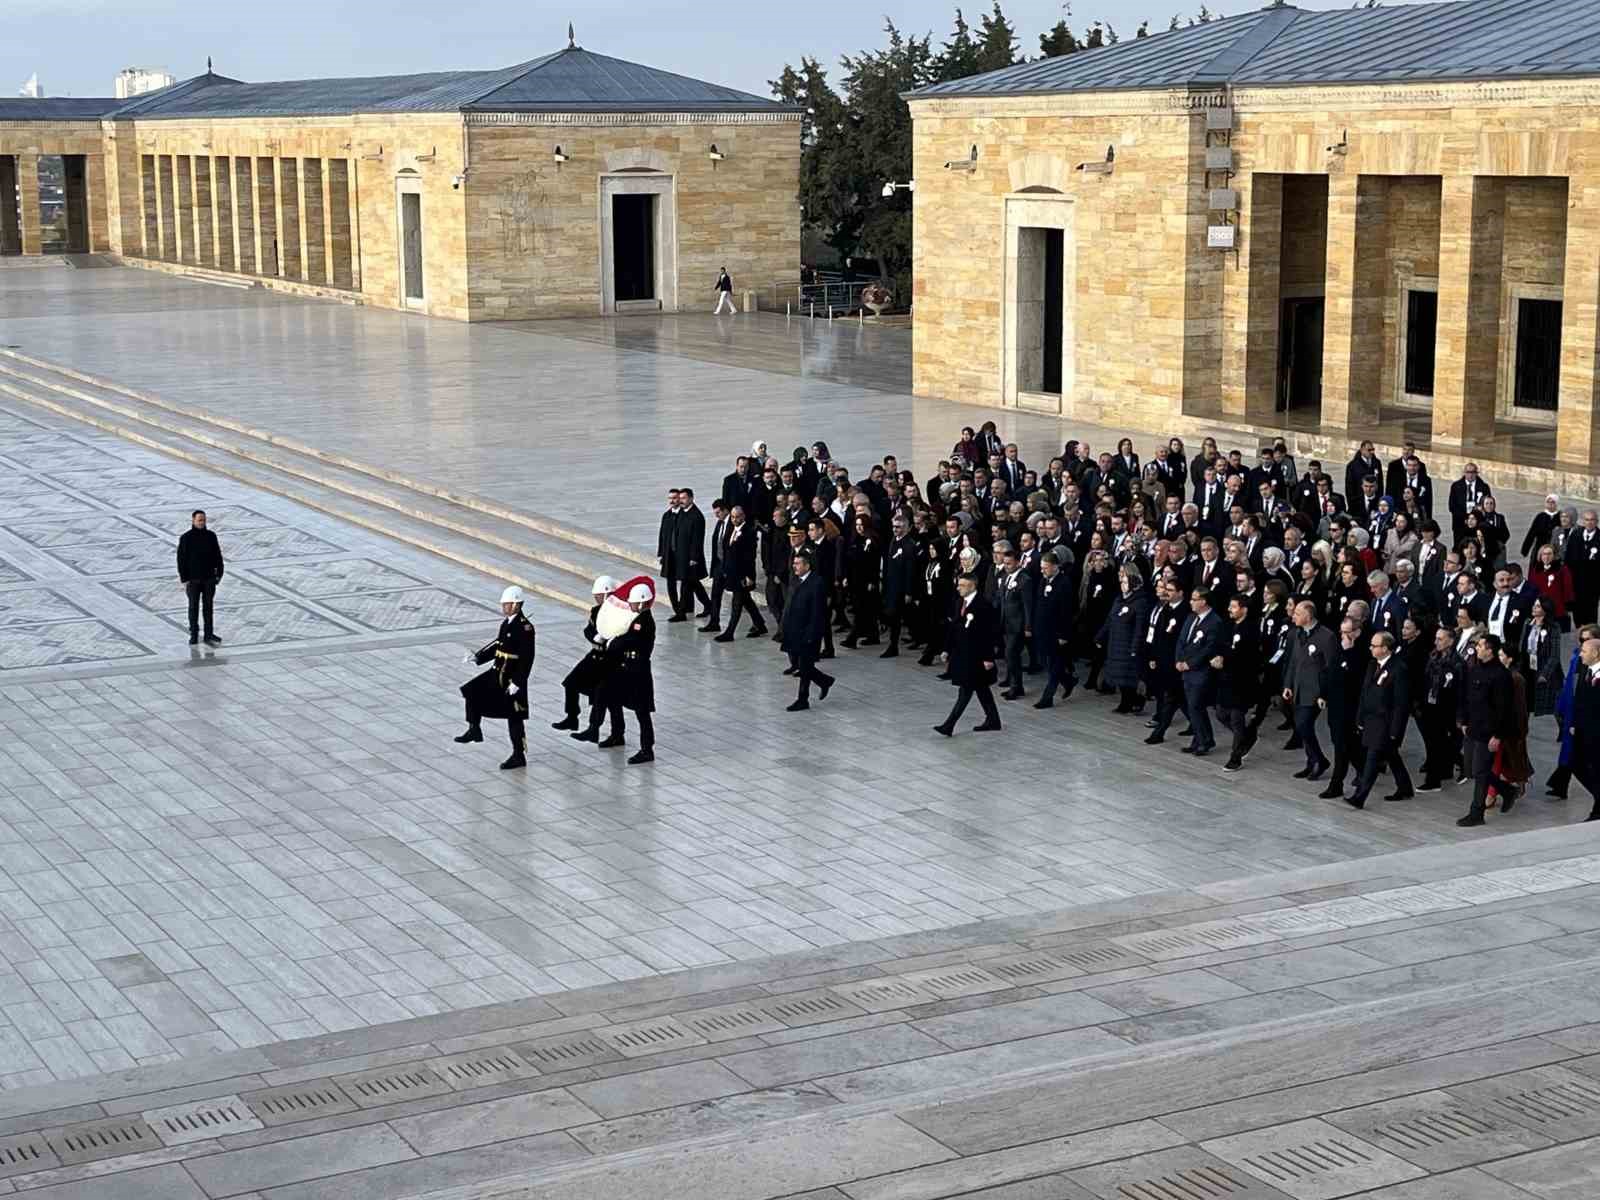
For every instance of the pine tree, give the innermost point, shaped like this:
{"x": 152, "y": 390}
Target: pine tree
{"x": 998, "y": 46}
{"x": 1058, "y": 41}
{"x": 1096, "y": 38}
{"x": 959, "y": 58}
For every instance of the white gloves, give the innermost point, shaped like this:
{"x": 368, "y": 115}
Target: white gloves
{"x": 511, "y": 689}
{"x": 469, "y": 657}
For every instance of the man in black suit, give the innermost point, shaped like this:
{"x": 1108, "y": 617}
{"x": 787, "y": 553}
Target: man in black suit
{"x": 1585, "y": 727}
{"x": 1343, "y": 696}
{"x": 685, "y": 565}
{"x": 1508, "y": 612}
{"x": 736, "y": 487}
{"x": 1389, "y": 609}
{"x": 719, "y": 545}
{"x": 1304, "y": 496}
{"x": 1381, "y": 717}
{"x": 1197, "y": 646}
{"x": 1582, "y": 557}
{"x": 1160, "y": 656}
{"x": 1015, "y": 594}
{"x": 1053, "y": 614}
{"x": 1364, "y": 463}
{"x": 1486, "y": 717}
{"x": 903, "y": 564}
{"x": 738, "y": 575}
{"x": 1208, "y": 498}
{"x": 969, "y": 647}
{"x": 1408, "y": 471}
{"x": 1466, "y": 494}
{"x": 805, "y": 621}
{"x": 1313, "y": 657}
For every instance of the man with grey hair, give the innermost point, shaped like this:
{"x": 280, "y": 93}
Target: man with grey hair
{"x": 1582, "y": 559}
{"x": 1389, "y": 611}
{"x": 1381, "y": 716}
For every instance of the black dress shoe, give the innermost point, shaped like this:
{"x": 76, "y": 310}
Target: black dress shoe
{"x": 705, "y": 616}
{"x": 1044, "y": 702}
{"x": 213, "y": 640}
{"x": 1233, "y": 764}
{"x": 756, "y": 633}
{"x": 823, "y": 689}
{"x": 1509, "y": 800}
{"x": 1318, "y": 773}
{"x": 515, "y": 761}
{"x": 825, "y": 654}
{"x": 945, "y": 730}
{"x": 987, "y": 727}
{"x": 1356, "y": 801}
{"x": 792, "y": 671}
{"x": 1594, "y": 815}
{"x": 943, "y": 675}
{"x": 848, "y": 644}
{"x": 711, "y": 629}
{"x": 1155, "y": 739}
{"x": 1204, "y": 751}
{"x": 194, "y": 639}
{"x": 798, "y": 706}
{"x": 1303, "y": 773}
{"x": 1332, "y": 792}
{"x": 1189, "y": 749}
{"x": 473, "y": 734}
{"x": 1013, "y": 694}
{"x": 723, "y": 637}
{"x": 1469, "y": 821}
{"x": 1067, "y": 688}
{"x": 1189, "y": 732}
{"x": 1393, "y": 796}
{"x": 675, "y": 618}
{"x": 925, "y": 661}
{"x": 586, "y": 735}
{"x": 1428, "y": 785}
{"x": 612, "y": 742}
{"x": 643, "y": 756}
{"x": 1294, "y": 744}
{"x": 891, "y": 652}
{"x": 565, "y": 723}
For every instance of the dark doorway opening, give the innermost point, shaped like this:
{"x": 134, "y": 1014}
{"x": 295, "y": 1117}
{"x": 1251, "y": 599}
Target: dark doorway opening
{"x": 75, "y": 188}
{"x": 633, "y": 247}
{"x": 10, "y": 207}
{"x": 1055, "y": 242}
{"x": 1538, "y": 354}
{"x": 1422, "y": 327}
{"x": 1300, "y": 354}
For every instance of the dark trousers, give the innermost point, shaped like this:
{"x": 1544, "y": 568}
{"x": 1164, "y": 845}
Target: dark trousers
{"x": 1587, "y": 772}
{"x": 715, "y": 603}
{"x": 200, "y": 596}
{"x": 1272, "y": 685}
{"x": 827, "y": 623}
{"x": 1389, "y": 753}
{"x": 775, "y": 598}
{"x": 1441, "y": 737}
{"x": 1013, "y": 644}
{"x": 743, "y": 601}
{"x": 864, "y": 606}
{"x": 1480, "y": 765}
{"x": 894, "y": 624}
{"x": 1560, "y": 781}
{"x": 1346, "y": 746}
{"x": 513, "y": 726}
{"x": 1305, "y": 728}
{"x": 684, "y": 592}
{"x": 1195, "y": 696}
{"x": 805, "y": 666}
{"x": 573, "y": 703}
{"x": 1058, "y": 670}
{"x": 1237, "y": 721}
{"x": 931, "y": 629}
{"x": 964, "y": 694}
{"x": 1169, "y": 699}
{"x": 647, "y": 728}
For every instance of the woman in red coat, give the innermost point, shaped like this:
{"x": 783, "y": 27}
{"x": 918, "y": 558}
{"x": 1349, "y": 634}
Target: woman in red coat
{"x": 1554, "y": 582}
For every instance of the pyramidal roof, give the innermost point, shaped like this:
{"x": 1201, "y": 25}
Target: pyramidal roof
{"x": 1468, "y": 39}
{"x": 569, "y": 80}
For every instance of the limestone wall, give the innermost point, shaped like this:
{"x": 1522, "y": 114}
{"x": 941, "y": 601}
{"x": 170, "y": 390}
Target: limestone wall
{"x": 533, "y": 225}
{"x": 27, "y": 140}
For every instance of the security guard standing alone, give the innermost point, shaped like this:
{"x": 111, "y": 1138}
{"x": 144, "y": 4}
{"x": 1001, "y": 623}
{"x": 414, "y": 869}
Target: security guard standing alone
{"x": 501, "y": 692}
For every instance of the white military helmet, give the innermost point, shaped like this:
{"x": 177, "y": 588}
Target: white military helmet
{"x": 512, "y": 595}
{"x": 604, "y": 585}
{"x": 640, "y": 594}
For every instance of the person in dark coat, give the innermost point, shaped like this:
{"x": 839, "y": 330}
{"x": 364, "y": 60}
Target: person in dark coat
{"x": 1159, "y": 652}
{"x": 200, "y": 569}
{"x": 1439, "y": 700}
{"x": 686, "y": 566}
{"x": 969, "y": 648}
{"x": 739, "y": 576}
{"x": 1239, "y": 668}
{"x": 903, "y": 565}
{"x": 1557, "y": 786}
{"x": 805, "y": 622}
{"x": 1313, "y": 658}
{"x": 1344, "y": 699}
{"x": 630, "y": 684}
{"x": 1096, "y": 593}
{"x": 1015, "y": 596}
{"x": 501, "y": 692}
{"x": 863, "y": 566}
{"x": 1122, "y": 635}
{"x": 721, "y": 528}
{"x": 1486, "y": 719}
{"x": 1053, "y": 613}
{"x": 584, "y": 679}
{"x": 1584, "y": 728}
{"x": 1581, "y": 555}
{"x": 1381, "y": 715}
{"x": 1466, "y": 494}
{"x": 776, "y": 552}
{"x": 1198, "y": 643}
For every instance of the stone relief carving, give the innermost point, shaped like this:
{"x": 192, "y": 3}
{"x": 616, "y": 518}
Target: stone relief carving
{"x": 523, "y": 209}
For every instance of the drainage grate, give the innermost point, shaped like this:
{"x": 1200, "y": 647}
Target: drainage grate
{"x": 1030, "y": 968}
{"x": 1180, "y": 1174}
{"x": 567, "y": 1053}
{"x": 1433, "y": 1129}
{"x": 881, "y": 995}
{"x": 1552, "y": 1101}
{"x": 1312, "y": 1160}
{"x": 1308, "y": 1158}
{"x": 481, "y": 1068}
{"x": 649, "y": 1037}
{"x": 369, "y": 1089}
{"x": 949, "y": 982}
{"x": 30, "y": 1152}
{"x": 95, "y": 1140}
{"x": 1194, "y": 939}
{"x": 298, "y": 1102}
{"x": 730, "y": 1021}
{"x": 1195, "y": 1183}
{"x": 811, "y": 1008}
{"x": 1548, "y": 1105}
{"x": 1101, "y": 958}
{"x": 184, "y": 1123}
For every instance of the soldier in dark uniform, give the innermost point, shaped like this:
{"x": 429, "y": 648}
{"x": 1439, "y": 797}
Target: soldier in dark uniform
{"x": 584, "y": 678}
{"x": 501, "y": 692}
{"x": 629, "y": 683}
{"x": 969, "y": 646}
{"x": 1053, "y": 615}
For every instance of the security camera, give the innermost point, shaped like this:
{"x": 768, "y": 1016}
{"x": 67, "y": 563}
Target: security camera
{"x": 455, "y": 182}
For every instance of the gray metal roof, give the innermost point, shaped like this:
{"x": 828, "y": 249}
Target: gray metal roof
{"x": 1469, "y": 39}
{"x": 55, "y": 108}
{"x": 570, "y": 80}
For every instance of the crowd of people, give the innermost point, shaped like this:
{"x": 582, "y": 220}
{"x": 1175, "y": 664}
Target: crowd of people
{"x": 1347, "y": 604}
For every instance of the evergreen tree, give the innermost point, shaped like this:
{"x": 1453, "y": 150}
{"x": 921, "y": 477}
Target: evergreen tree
{"x": 998, "y": 47}
{"x": 959, "y": 58}
{"x": 1058, "y": 41}
{"x": 1096, "y": 38}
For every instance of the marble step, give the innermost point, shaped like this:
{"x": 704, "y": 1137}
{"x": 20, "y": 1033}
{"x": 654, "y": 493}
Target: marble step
{"x": 560, "y": 577}
{"x": 578, "y": 552}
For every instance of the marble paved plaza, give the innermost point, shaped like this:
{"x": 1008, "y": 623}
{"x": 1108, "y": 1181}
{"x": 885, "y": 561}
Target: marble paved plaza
{"x": 266, "y": 933}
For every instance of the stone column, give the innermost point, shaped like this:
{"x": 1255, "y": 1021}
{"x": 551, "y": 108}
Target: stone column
{"x": 1352, "y": 324}
{"x": 1578, "y": 414}
{"x": 170, "y": 241}
{"x": 246, "y": 239}
{"x": 1250, "y": 303}
{"x": 327, "y": 220}
{"x": 97, "y": 203}
{"x": 205, "y": 238}
{"x": 188, "y": 239}
{"x": 293, "y": 257}
{"x": 149, "y": 208}
{"x": 313, "y": 223}
{"x": 269, "y": 256}
{"x": 1472, "y": 211}
{"x": 222, "y": 213}
{"x": 28, "y": 197}
{"x": 10, "y": 224}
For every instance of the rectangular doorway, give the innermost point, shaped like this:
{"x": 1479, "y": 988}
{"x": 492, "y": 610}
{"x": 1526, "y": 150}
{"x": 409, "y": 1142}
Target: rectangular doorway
{"x": 1538, "y": 354}
{"x": 411, "y": 246}
{"x": 1055, "y": 242}
{"x": 1041, "y": 294}
{"x": 75, "y": 189}
{"x": 1300, "y": 354}
{"x": 1422, "y": 328}
{"x": 10, "y": 206}
{"x": 633, "y": 234}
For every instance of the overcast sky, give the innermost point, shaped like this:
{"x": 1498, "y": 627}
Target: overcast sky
{"x": 77, "y": 46}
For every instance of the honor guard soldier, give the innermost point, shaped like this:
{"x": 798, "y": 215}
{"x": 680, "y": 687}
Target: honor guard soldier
{"x": 501, "y": 692}
{"x": 584, "y": 679}
{"x": 625, "y": 621}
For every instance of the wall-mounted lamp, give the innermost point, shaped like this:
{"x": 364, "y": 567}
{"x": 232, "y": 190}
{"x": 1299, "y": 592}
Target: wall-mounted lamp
{"x": 969, "y": 163}
{"x": 559, "y": 156}
{"x": 1342, "y": 146}
{"x": 378, "y": 157}
{"x": 1100, "y": 168}
{"x": 714, "y": 154}
{"x": 429, "y": 156}
{"x": 889, "y": 189}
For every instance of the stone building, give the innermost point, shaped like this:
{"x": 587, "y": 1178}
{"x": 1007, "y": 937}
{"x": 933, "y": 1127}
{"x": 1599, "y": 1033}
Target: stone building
{"x": 574, "y": 184}
{"x": 1338, "y": 221}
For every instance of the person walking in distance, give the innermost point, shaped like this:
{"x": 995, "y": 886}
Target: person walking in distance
{"x": 501, "y": 692}
{"x": 805, "y": 619}
{"x": 1485, "y": 715}
{"x": 200, "y": 570}
{"x": 724, "y": 293}
{"x": 969, "y": 649}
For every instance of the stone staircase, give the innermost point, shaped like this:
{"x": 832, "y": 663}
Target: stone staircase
{"x": 545, "y": 557}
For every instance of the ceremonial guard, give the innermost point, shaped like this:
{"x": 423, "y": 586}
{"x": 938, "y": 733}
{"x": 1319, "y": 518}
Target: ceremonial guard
{"x": 501, "y": 692}
{"x": 625, "y": 622}
{"x": 584, "y": 679}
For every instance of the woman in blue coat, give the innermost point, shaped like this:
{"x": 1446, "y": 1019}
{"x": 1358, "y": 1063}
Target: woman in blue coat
{"x": 1561, "y": 778}
{"x": 1120, "y": 636}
